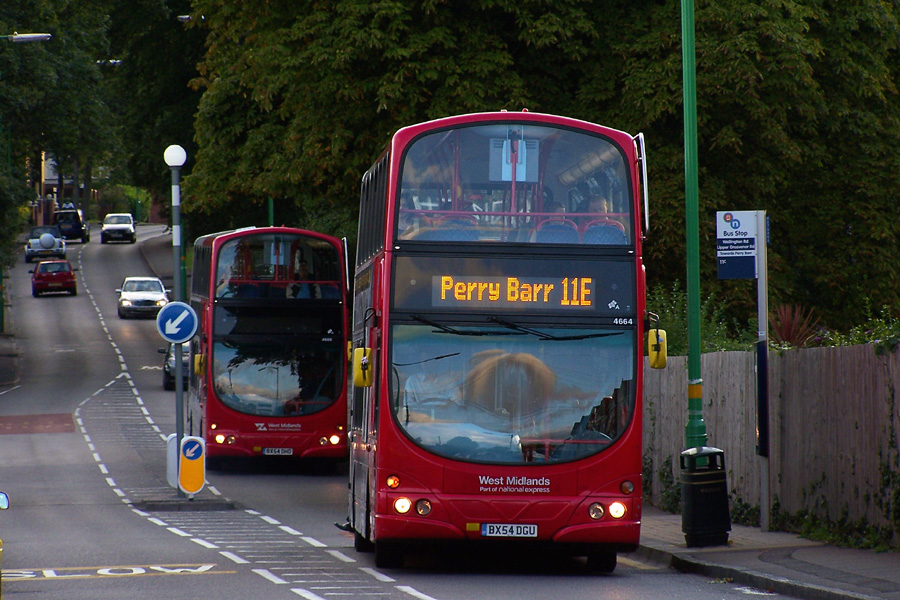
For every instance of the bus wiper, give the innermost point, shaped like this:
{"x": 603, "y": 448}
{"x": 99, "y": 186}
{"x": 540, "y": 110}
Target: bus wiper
{"x": 516, "y": 327}
{"x": 447, "y": 329}
{"x": 547, "y": 336}
{"x": 419, "y": 362}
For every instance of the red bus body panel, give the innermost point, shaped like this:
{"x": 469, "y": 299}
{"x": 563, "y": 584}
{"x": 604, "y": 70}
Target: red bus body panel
{"x": 464, "y": 496}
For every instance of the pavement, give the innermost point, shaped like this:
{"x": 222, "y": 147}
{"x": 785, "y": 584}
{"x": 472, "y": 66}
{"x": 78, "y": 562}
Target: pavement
{"x": 762, "y": 561}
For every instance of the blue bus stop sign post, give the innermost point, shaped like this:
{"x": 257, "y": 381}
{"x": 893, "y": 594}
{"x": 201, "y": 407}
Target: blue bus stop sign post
{"x": 741, "y": 253}
{"x": 177, "y": 323}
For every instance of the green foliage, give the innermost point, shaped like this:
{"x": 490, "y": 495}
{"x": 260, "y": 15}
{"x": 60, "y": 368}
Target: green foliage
{"x": 12, "y": 199}
{"x": 715, "y": 335}
{"x": 841, "y": 532}
{"x": 670, "y": 496}
{"x": 743, "y": 513}
{"x": 125, "y": 198}
{"x": 152, "y": 100}
{"x": 798, "y": 112}
{"x": 882, "y": 329}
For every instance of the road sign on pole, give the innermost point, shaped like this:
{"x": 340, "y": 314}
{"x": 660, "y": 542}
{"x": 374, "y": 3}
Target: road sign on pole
{"x": 192, "y": 465}
{"x": 176, "y": 322}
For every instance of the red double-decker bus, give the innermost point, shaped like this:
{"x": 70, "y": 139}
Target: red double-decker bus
{"x": 269, "y": 362}
{"x": 497, "y": 326}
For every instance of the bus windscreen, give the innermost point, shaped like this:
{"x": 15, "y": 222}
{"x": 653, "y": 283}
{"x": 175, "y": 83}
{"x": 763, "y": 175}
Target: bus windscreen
{"x": 514, "y": 183}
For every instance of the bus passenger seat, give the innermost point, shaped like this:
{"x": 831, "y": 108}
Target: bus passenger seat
{"x": 605, "y": 232}
{"x": 557, "y": 231}
{"x": 452, "y": 229}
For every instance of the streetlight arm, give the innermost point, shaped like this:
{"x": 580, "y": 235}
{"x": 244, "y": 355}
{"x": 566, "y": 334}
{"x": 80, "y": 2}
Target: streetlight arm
{"x": 19, "y": 38}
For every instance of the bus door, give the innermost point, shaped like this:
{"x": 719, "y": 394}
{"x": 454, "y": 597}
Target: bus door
{"x": 363, "y": 408}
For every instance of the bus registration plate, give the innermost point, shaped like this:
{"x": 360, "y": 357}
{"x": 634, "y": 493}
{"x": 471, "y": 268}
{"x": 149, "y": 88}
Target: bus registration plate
{"x": 518, "y": 530}
{"x": 278, "y": 451}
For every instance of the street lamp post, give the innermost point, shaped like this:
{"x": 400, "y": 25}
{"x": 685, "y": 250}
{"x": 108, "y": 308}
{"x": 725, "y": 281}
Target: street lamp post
{"x": 695, "y": 431}
{"x": 15, "y": 38}
{"x": 175, "y": 157}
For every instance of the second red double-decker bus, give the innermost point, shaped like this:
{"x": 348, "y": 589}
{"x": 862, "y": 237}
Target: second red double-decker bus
{"x": 497, "y": 327}
{"x": 269, "y": 360}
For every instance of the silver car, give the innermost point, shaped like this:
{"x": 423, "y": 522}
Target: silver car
{"x": 118, "y": 227}
{"x": 45, "y": 241}
{"x": 141, "y": 297}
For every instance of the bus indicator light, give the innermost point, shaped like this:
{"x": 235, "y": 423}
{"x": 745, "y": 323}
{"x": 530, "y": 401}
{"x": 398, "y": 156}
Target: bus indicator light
{"x": 393, "y": 482}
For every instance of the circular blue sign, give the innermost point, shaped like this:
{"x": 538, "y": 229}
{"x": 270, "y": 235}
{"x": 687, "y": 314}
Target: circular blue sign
{"x": 176, "y": 322}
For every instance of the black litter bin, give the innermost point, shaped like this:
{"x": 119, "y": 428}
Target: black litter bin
{"x": 705, "y": 520}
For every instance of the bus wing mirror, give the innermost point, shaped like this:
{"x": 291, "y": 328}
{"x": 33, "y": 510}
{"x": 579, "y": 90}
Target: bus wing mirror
{"x": 657, "y": 351}
{"x": 199, "y": 365}
{"x": 349, "y": 351}
{"x": 362, "y": 369}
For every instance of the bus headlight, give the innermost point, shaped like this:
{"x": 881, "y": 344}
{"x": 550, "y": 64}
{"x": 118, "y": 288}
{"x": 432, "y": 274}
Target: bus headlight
{"x": 335, "y": 439}
{"x": 596, "y": 511}
{"x": 617, "y": 510}
{"x": 402, "y": 505}
{"x": 423, "y": 506}
{"x": 220, "y": 438}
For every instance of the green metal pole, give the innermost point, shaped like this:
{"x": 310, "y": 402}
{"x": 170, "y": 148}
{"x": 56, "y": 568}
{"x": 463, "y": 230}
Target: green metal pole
{"x": 695, "y": 431}
{"x": 271, "y": 212}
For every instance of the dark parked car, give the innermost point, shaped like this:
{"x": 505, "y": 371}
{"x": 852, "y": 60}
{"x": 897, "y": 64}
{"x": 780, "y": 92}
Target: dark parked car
{"x": 169, "y": 365}
{"x": 72, "y": 225}
{"x": 53, "y": 276}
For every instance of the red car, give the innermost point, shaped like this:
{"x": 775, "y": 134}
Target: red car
{"x": 53, "y": 276}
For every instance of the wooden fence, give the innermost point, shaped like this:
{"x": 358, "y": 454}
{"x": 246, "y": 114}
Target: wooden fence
{"x": 833, "y": 422}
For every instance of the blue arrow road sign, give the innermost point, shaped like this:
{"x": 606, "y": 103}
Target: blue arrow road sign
{"x": 176, "y": 322}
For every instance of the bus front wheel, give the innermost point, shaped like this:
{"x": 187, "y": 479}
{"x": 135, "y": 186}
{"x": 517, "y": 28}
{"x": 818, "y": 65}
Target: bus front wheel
{"x": 361, "y": 543}
{"x": 603, "y": 562}
{"x": 388, "y": 556}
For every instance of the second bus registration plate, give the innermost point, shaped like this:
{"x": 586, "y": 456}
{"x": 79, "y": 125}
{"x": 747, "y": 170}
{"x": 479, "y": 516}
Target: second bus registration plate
{"x": 278, "y": 451}
{"x": 508, "y": 530}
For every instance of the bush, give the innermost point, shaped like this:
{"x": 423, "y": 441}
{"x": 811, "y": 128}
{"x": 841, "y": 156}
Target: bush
{"x": 715, "y": 335}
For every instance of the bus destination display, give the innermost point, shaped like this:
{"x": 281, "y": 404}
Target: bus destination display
{"x": 512, "y": 292}
{"x": 589, "y": 288}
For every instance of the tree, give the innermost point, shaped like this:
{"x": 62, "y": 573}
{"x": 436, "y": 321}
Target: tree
{"x": 156, "y": 56}
{"x": 797, "y": 115}
{"x": 20, "y": 64}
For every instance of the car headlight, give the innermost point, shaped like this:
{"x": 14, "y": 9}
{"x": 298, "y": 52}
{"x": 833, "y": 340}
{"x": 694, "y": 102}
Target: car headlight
{"x": 125, "y": 302}
{"x": 162, "y": 302}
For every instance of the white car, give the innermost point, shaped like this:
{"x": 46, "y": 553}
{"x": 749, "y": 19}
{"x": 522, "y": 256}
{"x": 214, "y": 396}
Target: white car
{"x": 118, "y": 227}
{"x": 45, "y": 241}
{"x": 141, "y": 297}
